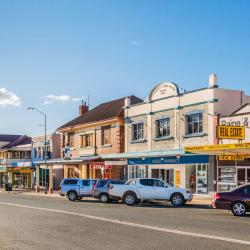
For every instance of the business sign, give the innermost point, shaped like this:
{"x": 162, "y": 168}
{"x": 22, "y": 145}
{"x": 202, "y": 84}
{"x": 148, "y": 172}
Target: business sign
{"x": 231, "y": 158}
{"x": 231, "y": 132}
{"x": 116, "y": 163}
{"x": 100, "y": 165}
{"x": 170, "y": 160}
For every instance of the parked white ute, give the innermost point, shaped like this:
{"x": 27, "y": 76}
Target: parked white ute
{"x": 147, "y": 189}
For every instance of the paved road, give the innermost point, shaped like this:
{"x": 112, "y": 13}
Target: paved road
{"x": 29, "y": 222}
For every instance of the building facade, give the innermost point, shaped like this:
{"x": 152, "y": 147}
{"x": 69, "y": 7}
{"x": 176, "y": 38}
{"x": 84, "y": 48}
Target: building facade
{"x": 53, "y": 147}
{"x": 234, "y": 170}
{"x": 85, "y": 139}
{"x": 15, "y": 161}
{"x": 158, "y": 129}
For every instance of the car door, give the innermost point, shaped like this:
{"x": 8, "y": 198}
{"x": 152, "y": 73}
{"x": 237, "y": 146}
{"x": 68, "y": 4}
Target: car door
{"x": 160, "y": 190}
{"x": 145, "y": 188}
{"x": 247, "y": 200}
{"x": 85, "y": 188}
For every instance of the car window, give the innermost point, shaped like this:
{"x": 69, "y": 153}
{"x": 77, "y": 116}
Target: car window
{"x": 130, "y": 182}
{"x": 70, "y": 182}
{"x": 94, "y": 182}
{"x": 158, "y": 183}
{"x": 86, "y": 182}
{"x": 147, "y": 182}
{"x": 102, "y": 183}
{"x": 248, "y": 190}
{"x": 117, "y": 182}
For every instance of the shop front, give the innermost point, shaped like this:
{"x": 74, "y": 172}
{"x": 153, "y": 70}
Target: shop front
{"x": 188, "y": 171}
{"x": 232, "y": 163}
{"x": 109, "y": 169}
{"x": 232, "y": 174}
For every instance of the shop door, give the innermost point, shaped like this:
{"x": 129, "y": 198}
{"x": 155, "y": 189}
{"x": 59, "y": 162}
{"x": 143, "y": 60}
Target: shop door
{"x": 241, "y": 176}
{"x": 167, "y": 175}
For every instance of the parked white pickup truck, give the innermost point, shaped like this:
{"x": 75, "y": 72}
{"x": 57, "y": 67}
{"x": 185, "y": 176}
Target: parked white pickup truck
{"x": 147, "y": 189}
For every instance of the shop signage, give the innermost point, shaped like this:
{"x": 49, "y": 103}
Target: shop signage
{"x": 217, "y": 147}
{"x": 244, "y": 123}
{"x": 22, "y": 164}
{"x": 170, "y": 160}
{"x": 116, "y": 163}
{"x": 3, "y": 169}
{"x": 177, "y": 178}
{"x": 100, "y": 165}
{"x": 231, "y": 158}
{"x": 231, "y": 132}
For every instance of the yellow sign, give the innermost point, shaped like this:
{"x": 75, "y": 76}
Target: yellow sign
{"x": 231, "y": 158}
{"x": 217, "y": 147}
{"x": 231, "y": 132}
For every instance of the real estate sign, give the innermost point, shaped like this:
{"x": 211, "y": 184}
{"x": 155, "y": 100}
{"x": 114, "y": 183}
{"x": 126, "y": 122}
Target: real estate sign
{"x": 231, "y": 132}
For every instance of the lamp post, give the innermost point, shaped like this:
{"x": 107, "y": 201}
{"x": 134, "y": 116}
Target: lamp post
{"x": 45, "y": 141}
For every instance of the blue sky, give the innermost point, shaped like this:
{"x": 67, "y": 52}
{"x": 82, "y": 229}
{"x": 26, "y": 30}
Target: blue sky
{"x": 67, "y": 50}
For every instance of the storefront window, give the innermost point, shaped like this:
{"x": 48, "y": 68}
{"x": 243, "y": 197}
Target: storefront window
{"x": 138, "y": 172}
{"x": 196, "y": 178}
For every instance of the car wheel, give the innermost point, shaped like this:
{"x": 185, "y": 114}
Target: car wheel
{"x": 177, "y": 200}
{"x": 72, "y": 195}
{"x": 130, "y": 199}
{"x": 104, "y": 198}
{"x": 239, "y": 208}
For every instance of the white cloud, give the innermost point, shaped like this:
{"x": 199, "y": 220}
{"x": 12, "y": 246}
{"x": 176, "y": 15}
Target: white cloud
{"x": 135, "y": 43}
{"x": 60, "y": 98}
{"x": 9, "y": 99}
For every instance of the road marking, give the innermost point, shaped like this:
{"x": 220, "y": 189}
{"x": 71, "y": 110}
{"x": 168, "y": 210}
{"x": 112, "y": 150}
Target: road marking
{"x": 131, "y": 224}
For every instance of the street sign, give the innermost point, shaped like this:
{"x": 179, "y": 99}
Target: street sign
{"x": 231, "y": 132}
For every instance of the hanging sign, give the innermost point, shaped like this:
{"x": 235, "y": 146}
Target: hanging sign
{"x": 231, "y": 132}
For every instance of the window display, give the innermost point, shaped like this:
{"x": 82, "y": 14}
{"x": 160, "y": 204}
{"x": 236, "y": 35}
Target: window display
{"x": 226, "y": 178}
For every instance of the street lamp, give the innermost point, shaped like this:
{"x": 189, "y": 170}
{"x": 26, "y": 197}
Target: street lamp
{"x": 45, "y": 141}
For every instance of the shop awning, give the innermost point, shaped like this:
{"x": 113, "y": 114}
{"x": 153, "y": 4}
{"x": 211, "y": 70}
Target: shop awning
{"x": 222, "y": 149}
{"x": 69, "y": 161}
{"x": 153, "y": 153}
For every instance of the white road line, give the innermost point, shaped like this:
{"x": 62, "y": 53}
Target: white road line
{"x": 131, "y": 224}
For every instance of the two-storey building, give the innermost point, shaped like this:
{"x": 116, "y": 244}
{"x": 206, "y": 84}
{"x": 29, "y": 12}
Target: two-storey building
{"x": 85, "y": 139}
{"x": 15, "y": 161}
{"x": 158, "y": 129}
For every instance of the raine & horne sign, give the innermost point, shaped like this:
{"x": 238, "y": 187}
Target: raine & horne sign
{"x": 231, "y": 132}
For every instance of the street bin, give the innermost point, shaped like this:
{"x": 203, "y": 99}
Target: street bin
{"x": 8, "y": 187}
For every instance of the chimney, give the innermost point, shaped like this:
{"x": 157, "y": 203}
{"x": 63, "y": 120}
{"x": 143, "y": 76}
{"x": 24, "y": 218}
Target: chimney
{"x": 213, "y": 81}
{"x": 83, "y": 108}
{"x": 127, "y": 101}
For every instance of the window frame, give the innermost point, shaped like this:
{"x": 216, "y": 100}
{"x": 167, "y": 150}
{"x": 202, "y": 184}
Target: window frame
{"x": 196, "y": 124}
{"x": 104, "y": 136}
{"x": 140, "y": 131}
{"x": 157, "y": 130}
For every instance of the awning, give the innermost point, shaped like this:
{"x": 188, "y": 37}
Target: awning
{"x": 70, "y": 161}
{"x": 153, "y": 153}
{"x": 222, "y": 149}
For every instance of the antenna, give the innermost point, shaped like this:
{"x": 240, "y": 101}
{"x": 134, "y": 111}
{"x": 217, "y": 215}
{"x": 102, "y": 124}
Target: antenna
{"x": 88, "y": 100}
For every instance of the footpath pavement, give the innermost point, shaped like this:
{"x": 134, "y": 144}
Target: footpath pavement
{"x": 197, "y": 200}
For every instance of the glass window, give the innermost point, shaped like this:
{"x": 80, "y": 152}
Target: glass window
{"x": 163, "y": 128}
{"x": 71, "y": 140}
{"x": 137, "y": 131}
{"x": 194, "y": 124}
{"x": 106, "y": 135}
{"x": 88, "y": 140}
{"x": 86, "y": 182}
{"x": 102, "y": 183}
{"x": 70, "y": 182}
{"x": 147, "y": 182}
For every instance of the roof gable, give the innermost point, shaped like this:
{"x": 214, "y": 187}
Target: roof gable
{"x": 242, "y": 110}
